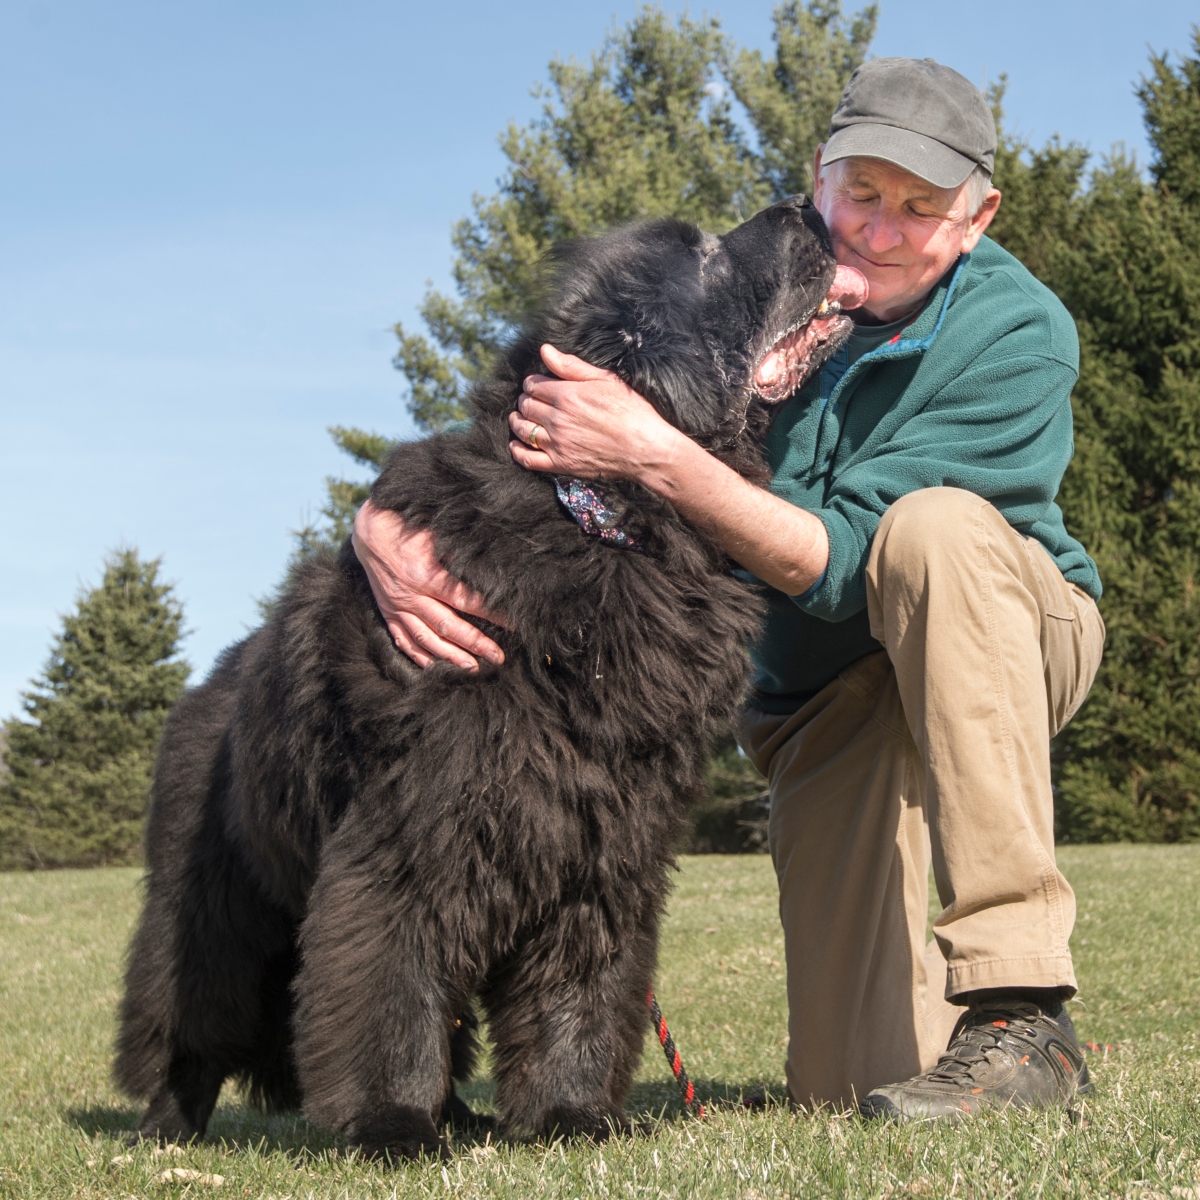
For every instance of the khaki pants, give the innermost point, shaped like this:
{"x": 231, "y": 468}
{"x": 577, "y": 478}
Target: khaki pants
{"x": 939, "y": 746}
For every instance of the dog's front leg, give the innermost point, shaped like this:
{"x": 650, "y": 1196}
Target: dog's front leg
{"x": 567, "y": 1015}
{"x": 374, "y": 1008}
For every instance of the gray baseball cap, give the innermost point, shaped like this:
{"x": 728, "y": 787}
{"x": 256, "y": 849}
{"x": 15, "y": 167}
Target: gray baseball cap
{"x": 915, "y": 113}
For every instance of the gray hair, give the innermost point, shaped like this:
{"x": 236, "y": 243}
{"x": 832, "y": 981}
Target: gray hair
{"x": 979, "y": 183}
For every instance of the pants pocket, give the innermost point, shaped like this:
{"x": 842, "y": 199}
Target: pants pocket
{"x": 1047, "y": 581}
{"x": 1071, "y": 668}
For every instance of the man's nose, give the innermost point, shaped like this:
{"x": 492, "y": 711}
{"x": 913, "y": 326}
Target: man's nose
{"x": 883, "y": 231}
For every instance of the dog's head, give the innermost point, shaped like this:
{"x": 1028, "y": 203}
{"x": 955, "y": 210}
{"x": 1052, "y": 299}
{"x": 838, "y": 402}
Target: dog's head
{"x": 701, "y": 325}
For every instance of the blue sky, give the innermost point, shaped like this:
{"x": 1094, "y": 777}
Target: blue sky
{"x": 211, "y": 213}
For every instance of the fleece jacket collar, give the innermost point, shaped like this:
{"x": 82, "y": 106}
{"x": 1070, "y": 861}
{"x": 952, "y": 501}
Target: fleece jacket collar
{"x": 917, "y": 337}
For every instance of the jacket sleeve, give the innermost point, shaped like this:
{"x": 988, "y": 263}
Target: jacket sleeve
{"x": 1002, "y": 429}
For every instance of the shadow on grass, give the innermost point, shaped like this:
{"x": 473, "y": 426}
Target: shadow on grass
{"x": 241, "y": 1127}
{"x": 104, "y": 1119}
{"x": 661, "y": 1099}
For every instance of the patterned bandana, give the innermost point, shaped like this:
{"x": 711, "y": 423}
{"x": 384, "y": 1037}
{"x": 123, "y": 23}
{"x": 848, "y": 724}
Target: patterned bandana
{"x": 586, "y": 503}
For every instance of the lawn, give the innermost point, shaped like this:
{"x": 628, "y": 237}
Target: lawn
{"x": 721, "y": 986}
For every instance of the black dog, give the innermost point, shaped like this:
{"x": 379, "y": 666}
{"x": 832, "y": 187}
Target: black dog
{"x": 346, "y": 851}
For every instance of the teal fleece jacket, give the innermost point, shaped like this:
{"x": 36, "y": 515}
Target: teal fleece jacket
{"x": 974, "y": 394}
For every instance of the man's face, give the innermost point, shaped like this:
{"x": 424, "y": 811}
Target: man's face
{"x": 901, "y": 232}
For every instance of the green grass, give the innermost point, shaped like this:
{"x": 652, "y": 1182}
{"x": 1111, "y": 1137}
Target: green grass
{"x": 722, "y": 987}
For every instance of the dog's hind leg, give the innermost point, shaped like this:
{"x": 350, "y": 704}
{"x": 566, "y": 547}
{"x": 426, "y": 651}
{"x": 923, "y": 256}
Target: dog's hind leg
{"x": 206, "y": 1000}
{"x": 568, "y": 1021}
{"x": 207, "y": 982}
{"x": 269, "y": 1073}
{"x": 180, "y": 1109}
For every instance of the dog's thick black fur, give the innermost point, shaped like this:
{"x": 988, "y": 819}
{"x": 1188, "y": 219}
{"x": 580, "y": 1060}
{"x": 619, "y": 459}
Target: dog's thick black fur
{"x": 345, "y": 851}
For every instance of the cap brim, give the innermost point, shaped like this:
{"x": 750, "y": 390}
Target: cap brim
{"x": 923, "y": 156}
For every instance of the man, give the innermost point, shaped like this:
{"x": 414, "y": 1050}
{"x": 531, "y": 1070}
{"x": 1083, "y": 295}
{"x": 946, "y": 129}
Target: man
{"x": 931, "y": 623}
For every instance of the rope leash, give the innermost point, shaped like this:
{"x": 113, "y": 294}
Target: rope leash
{"x": 686, "y": 1088}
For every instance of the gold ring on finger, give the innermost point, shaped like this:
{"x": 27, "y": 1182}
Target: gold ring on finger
{"x": 533, "y": 436}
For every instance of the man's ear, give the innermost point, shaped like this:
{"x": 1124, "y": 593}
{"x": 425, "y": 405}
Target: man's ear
{"x": 977, "y": 225}
{"x": 817, "y": 172}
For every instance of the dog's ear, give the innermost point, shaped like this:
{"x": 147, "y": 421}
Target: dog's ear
{"x": 632, "y": 302}
{"x": 668, "y": 359}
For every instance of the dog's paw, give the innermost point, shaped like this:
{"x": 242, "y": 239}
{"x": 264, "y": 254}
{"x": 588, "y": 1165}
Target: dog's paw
{"x": 164, "y": 1123}
{"x": 396, "y": 1132}
{"x": 598, "y": 1124}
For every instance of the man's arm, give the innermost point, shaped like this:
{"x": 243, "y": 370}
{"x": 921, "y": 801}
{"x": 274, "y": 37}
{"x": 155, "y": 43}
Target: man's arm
{"x": 592, "y": 425}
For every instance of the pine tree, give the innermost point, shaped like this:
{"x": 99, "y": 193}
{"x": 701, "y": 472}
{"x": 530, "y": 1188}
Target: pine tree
{"x": 789, "y": 100}
{"x": 1131, "y": 276}
{"x": 1124, "y": 256}
{"x": 80, "y": 762}
{"x": 639, "y": 131}
{"x": 646, "y": 128}
{"x": 1040, "y": 189}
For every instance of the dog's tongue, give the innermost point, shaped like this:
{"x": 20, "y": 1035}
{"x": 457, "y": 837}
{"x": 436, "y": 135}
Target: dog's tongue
{"x": 849, "y": 288}
{"x": 785, "y": 364}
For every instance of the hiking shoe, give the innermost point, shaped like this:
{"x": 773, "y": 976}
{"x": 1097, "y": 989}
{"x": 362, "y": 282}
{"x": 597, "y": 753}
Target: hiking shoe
{"x": 1003, "y": 1052}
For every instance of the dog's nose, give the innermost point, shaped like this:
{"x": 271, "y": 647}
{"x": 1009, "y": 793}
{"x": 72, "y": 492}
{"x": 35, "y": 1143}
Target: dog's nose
{"x": 799, "y": 200}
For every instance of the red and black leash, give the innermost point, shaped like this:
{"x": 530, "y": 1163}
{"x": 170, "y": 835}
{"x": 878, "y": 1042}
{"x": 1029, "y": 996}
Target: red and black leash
{"x": 686, "y": 1088}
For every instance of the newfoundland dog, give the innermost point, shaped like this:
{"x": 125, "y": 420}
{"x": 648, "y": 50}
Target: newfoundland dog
{"x": 346, "y": 852}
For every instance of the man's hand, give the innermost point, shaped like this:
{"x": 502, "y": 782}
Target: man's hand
{"x": 588, "y": 423}
{"x": 418, "y": 599}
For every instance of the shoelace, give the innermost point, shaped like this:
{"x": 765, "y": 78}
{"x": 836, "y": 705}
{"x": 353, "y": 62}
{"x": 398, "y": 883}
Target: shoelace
{"x": 980, "y": 1031}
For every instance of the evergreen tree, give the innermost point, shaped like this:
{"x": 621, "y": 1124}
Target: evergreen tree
{"x": 790, "y": 99}
{"x": 1040, "y": 190}
{"x": 640, "y": 130}
{"x": 1124, "y": 256}
{"x": 645, "y": 129}
{"x": 733, "y": 818}
{"x": 1131, "y": 276}
{"x": 79, "y": 764}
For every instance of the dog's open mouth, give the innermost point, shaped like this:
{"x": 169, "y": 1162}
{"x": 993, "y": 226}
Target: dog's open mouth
{"x": 798, "y": 351}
